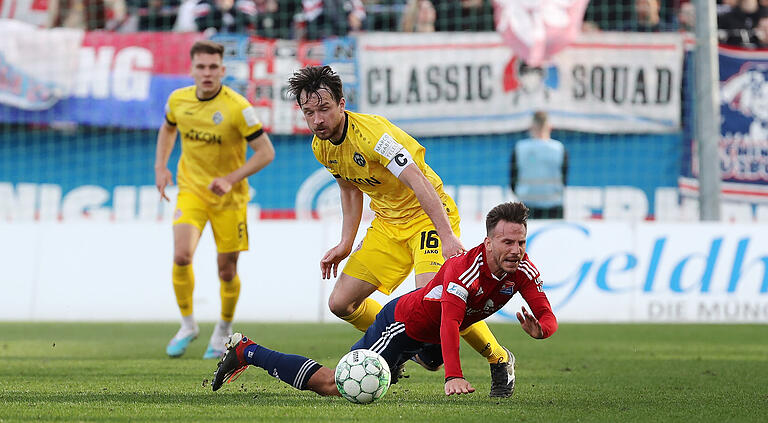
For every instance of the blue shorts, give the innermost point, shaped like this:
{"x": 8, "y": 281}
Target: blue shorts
{"x": 387, "y": 337}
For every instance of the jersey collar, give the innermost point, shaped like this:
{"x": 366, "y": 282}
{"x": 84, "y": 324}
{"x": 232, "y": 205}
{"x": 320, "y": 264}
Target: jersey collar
{"x": 211, "y": 97}
{"x": 343, "y": 134}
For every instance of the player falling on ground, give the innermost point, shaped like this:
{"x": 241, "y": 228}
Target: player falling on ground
{"x": 216, "y": 125}
{"x": 416, "y": 225}
{"x": 467, "y": 289}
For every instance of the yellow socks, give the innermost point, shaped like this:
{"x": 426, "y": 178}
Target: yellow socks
{"x": 183, "y": 285}
{"x": 230, "y": 293}
{"x": 364, "y": 315}
{"x": 479, "y": 336}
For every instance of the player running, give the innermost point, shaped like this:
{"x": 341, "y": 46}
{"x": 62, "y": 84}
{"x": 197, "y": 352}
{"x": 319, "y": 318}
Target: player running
{"x": 467, "y": 289}
{"x": 216, "y": 125}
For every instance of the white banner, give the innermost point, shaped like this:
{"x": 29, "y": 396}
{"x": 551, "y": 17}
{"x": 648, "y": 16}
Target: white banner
{"x": 438, "y": 83}
{"x": 592, "y": 272}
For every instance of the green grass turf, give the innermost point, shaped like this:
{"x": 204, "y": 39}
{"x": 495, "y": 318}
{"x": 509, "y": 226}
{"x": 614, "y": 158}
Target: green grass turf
{"x": 107, "y": 372}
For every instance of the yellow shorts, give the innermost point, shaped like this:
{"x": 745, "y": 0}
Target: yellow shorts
{"x": 230, "y": 227}
{"x": 388, "y": 253}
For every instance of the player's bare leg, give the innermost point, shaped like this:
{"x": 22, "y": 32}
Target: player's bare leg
{"x": 185, "y": 240}
{"x": 349, "y": 301}
{"x": 323, "y": 382}
{"x": 230, "y": 293}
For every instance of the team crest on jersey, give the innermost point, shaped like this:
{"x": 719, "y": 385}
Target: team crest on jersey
{"x": 359, "y": 159}
{"x": 217, "y": 118}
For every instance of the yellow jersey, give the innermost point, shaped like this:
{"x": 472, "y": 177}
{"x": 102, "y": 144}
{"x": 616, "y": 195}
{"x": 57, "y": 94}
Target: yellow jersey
{"x": 371, "y": 154}
{"x": 214, "y": 136}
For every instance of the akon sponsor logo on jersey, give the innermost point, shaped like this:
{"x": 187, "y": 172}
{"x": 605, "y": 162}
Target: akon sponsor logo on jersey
{"x": 364, "y": 181}
{"x": 204, "y": 136}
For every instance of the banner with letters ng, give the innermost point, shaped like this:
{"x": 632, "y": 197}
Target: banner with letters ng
{"x": 449, "y": 83}
{"x": 92, "y": 78}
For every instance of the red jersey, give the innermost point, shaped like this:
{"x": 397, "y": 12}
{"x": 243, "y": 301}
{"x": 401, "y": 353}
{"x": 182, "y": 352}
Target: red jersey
{"x": 464, "y": 292}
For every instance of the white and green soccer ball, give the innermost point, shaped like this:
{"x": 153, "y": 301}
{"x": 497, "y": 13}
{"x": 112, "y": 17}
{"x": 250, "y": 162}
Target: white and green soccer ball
{"x": 362, "y": 376}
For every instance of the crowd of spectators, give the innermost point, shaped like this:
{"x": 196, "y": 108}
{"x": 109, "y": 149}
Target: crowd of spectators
{"x": 743, "y": 23}
{"x": 307, "y": 19}
{"x": 740, "y": 22}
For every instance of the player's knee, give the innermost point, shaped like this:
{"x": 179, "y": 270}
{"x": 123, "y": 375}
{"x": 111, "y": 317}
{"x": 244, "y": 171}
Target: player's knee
{"x": 182, "y": 258}
{"x": 339, "y": 306}
{"x": 227, "y": 274}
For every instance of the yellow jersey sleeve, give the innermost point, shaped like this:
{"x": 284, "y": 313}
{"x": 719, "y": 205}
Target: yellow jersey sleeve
{"x": 395, "y": 149}
{"x": 247, "y": 121}
{"x": 169, "y": 116}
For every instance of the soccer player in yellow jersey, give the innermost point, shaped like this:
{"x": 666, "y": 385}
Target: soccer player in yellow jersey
{"x": 216, "y": 126}
{"x": 416, "y": 225}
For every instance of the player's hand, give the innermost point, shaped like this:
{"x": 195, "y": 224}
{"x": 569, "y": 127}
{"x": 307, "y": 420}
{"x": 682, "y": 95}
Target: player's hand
{"x": 220, "y": 186}
{"x": 530, "y": 324}
{"x": 163, "y": 178}
{"x": 458, "y": 386}
{"x": 330, "y": 261}
{"x": 452, "y": 246}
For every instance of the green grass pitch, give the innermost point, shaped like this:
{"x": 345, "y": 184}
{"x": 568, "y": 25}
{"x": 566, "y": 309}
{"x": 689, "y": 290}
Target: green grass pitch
{"x": 118, "y": 372}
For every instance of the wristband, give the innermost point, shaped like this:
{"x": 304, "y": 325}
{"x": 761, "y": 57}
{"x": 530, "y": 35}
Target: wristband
{"x": 452, "y": 378}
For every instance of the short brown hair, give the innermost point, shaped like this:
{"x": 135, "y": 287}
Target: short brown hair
{"x": 206, "y": 46}
{"x": 540, "y": 119}
{"x": 515, "y": 212}
{"x": 312, "y": 79}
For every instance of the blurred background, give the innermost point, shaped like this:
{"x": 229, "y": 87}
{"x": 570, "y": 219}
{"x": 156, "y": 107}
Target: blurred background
{"x": 83, "y": 83}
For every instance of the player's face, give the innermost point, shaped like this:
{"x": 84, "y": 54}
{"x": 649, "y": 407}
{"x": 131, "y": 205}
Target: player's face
{"x": 324, "y": 116}
{"x": 506, "y": 247}
{"x": 208, "y": 71}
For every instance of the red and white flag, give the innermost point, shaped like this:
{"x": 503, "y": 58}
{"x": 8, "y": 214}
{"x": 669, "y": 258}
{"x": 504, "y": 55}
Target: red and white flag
{"x": 537, "y": 29}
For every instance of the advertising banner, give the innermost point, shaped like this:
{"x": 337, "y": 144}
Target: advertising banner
{"x": 93, "y": 78}
{"x": 468, "y": 83}
{"x": 592, "y": 272}
{"x": 430, "y": 84}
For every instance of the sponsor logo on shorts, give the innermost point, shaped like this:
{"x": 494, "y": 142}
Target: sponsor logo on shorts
{"x": 177, "y": 214}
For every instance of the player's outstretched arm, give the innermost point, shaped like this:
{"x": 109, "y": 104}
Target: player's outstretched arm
{"x": 263, "y": 154}
{"x": 413, "y": 177}
{"x": 352, "y": 211}
{"x": 166, "y": 137}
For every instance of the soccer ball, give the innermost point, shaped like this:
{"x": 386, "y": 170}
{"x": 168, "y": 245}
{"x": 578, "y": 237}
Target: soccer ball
{"x": 362, "y": 376}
